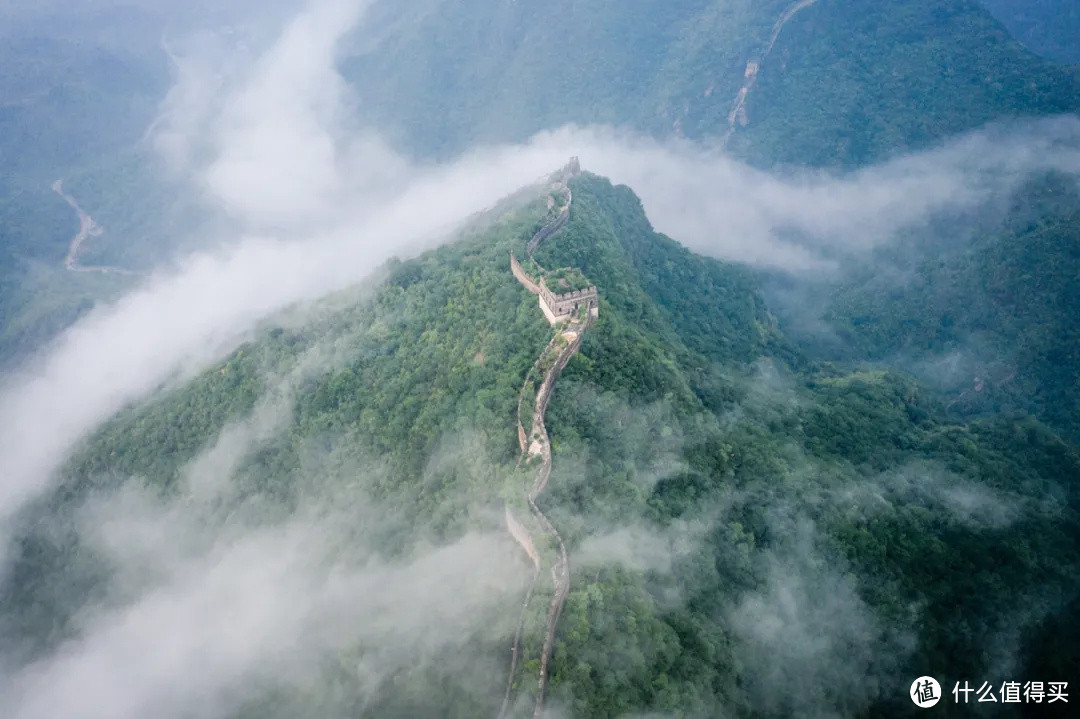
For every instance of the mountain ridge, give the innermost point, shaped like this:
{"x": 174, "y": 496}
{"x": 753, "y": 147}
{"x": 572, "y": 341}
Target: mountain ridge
{"x": 760, "y": 449}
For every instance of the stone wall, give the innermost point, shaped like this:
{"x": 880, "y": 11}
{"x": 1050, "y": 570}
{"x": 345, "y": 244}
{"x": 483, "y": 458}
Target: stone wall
{"x": 549, "y": 229}
{"x": 521, "y": 535}
{"x": 522, "y": 276}
{"x": 563, "y": 305}
{"x": 562, "y": 177}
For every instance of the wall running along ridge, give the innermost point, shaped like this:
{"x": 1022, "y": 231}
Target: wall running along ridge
{"x": 522, "y": 276}
{"x": 564, "y": 344}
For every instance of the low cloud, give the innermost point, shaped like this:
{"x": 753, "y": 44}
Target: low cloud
{"x": 926, "y": 484}
{"x": 211, "y": 600}
{"x": 205, "y": 605}
{"x": 809, "y": 645}
{"x": 643, "y": 548}
{"x": 320, "y": 203}
{"x": 808, "y": 220}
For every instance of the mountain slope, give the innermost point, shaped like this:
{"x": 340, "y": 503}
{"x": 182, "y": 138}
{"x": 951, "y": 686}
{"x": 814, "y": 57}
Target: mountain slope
{"x": 709, "y": 484}
{"x": 853, "y": 81}
{"x": 988, "y": 322}
{"x": 848, "y": 82}
{"x": 1048, "y": 27}
{"x": 74, "y": 100}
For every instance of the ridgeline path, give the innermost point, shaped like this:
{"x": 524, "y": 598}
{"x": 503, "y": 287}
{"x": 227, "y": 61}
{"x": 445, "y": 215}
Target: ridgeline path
{"x": 738, "y": 110}
{"x": 536, "y": 445}
{"x": 87, "y": 229}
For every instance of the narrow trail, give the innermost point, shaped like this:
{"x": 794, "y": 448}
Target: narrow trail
{"x": 87, "y": 229}
{"x": 738, "y": 110}
{"x": 536, "y": 444}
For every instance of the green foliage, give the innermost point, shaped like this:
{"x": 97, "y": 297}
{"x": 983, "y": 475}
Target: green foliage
{"x": 999, "y": 305}
{"x": 566, "y": 279}
{"x": 163, "y": 435}
{"x": 854, "y": 81}
{"x": 77, "y": 102}
{"x": 436, "y": 353}
{"x": 848, "y": 82}
{"x": 1048, "y": 27}
{"x": 686, "y": 418}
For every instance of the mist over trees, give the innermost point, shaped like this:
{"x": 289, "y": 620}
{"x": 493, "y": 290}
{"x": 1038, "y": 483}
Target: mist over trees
{"x": 820, "y": 440}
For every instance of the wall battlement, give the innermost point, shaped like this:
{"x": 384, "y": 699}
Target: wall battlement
{"x": 557, "y": 307}
{"x": 569, "y": 170}
{"x": 563, "y": 306}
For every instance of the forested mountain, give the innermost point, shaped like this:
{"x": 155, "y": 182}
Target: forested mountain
{"x": 80, "y": 88}
{"x": 851, "y": 81}
{"x": 986, "y": 320}
{"x": 66, "y": 105}
{"x": 781, "y": 491}
{"x": 847, "y": 82}
{"x": 752, "y": 533}
{"x": 1047, "y": 27}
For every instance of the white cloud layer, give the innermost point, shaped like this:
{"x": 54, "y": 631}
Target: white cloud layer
{"x": 323, "y": 203}
{"x": 209, "y": 611}
{"x": 210, "y": 606}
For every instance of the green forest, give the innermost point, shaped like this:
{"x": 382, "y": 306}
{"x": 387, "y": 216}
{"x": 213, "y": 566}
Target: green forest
{"x": 782, "y": 494}
{"x": 849, "y": 82}
{"x": 753, "y": 532}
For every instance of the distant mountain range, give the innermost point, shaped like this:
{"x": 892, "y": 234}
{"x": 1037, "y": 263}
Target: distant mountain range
{"x": 847, "y": 81}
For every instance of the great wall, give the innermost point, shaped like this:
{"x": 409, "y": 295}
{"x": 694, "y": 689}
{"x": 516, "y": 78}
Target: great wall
{"x": 750, "y": 76}
{"x": 556, "y": 307}
{"x": 570, "y": 313}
